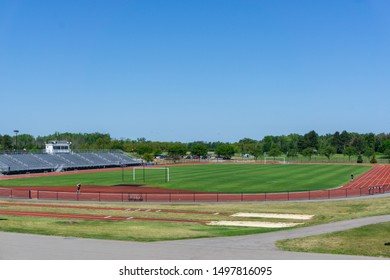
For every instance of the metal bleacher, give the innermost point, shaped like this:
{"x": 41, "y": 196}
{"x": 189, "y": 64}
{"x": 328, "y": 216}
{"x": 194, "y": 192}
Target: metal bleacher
{"x": 43, "y": 162}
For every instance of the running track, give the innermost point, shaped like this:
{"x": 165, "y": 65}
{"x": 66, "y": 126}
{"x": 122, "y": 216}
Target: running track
{"x": 374, "y": 181}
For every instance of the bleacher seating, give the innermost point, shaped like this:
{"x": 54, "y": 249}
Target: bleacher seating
{"x": 24, "y": 163}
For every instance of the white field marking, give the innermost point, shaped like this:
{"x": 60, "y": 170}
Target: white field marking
{"x": 107, "y": 217}
{"x": 276, "y": 216}
{"x": 147, "y": 210}
{"x": 216, "y": 213}
{"x": 158, "y": 211}
{"x": 129, "y": 218}
{"x": 253, "y": 224}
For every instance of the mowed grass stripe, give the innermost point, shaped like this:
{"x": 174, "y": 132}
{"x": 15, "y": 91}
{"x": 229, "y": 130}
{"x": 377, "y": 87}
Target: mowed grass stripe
{"x": 228, "y": 178}
{"x": 259, "y": 178}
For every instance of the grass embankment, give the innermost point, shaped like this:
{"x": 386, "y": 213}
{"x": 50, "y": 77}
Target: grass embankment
{"x": 324, "y": 212}
{"x": 363, "y": 241}
{"x": 227, "y": 178}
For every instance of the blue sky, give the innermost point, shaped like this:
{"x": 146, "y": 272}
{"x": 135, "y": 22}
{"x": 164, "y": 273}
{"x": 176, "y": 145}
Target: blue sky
{"x": 214, "y": 70}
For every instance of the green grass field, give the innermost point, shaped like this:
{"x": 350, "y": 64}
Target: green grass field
{"x": 228, "y": 178}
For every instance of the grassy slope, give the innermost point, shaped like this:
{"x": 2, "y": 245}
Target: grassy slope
{"x": 363, "y": 241}
{"x": 366, "y": 241}
{"x": 216, "y": 178}
{"x": 325, "y": 212}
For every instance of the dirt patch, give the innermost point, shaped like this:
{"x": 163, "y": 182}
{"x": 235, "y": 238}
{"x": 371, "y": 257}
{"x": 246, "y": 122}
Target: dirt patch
{"x": 274, "y": 216}
{"x": 253, "y": 224}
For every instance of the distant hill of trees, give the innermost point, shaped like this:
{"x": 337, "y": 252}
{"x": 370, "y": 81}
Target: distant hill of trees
{"x": 346, "y": 143}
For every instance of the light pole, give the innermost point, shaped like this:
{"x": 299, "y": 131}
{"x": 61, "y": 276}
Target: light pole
{"x": 16, "y": 139}
{"x": 123, "y": 175}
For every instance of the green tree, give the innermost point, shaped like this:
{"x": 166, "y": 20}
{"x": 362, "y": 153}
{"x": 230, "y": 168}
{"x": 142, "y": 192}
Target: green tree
{"x": 311, "y": 140}
{"x": 308, "y": 152}
{"x": 267, "y": 143}
{"x": 199, "y": 150}
{"x": 256, "y": 151}
{"x": 349, "y": 151}
{"x": 369, "y": 153}
{"x": 275, "y": 151}
{"x": 373, "y": 159}
{"x": 103, "y": 142}
{"x": 148, "y": 157}
{"x": 358, "y": 143}
{"x": 226, "y": 150}
{"x": 7, "y": 142}
{"x": 144, "y": 148}
{"x": 246, "y": 145}
{"x": 25, "y": 142}
{"x": 176, "y": 151}
{"x": 387, "y": 153}
{"x": 385, "y": 147}
{"x": 328, "y": 151}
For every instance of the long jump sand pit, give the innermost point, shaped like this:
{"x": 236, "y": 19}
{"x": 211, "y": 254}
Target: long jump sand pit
{"x": 263, "y": 224}
{"x": 253, "y": 224}
{"x": 274, "y": 216}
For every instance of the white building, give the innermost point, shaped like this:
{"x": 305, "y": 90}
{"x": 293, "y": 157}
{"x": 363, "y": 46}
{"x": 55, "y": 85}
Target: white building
{"x": 58, "y": 147}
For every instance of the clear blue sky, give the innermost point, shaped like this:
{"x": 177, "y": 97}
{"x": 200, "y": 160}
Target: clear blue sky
{"x": 212, "y": 70}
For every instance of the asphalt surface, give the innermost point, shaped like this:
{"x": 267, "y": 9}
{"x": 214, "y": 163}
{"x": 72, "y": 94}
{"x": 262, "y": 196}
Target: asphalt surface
{"x": 15, "y": 246}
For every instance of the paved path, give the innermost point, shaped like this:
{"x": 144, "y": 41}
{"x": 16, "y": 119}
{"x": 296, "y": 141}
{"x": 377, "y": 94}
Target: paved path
{"x": 15, "y": 246}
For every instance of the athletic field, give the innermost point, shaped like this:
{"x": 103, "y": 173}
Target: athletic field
{"x": 227, "y": 178}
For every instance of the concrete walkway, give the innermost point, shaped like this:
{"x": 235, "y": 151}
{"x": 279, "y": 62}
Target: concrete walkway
{"x": 14, "y": 246}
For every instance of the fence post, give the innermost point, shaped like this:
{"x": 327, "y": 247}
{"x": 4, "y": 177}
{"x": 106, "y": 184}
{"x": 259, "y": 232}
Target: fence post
{"x": 122, "y": 196}
{"x": 288, "y": 196}
{"x": 346, "y": 192}
{"x": 194, "y": 196}
{"x": 242, "y": 197}
{"x": 146, "y": 197}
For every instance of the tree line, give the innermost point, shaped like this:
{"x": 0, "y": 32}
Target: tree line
{"x": 346, "y": 143}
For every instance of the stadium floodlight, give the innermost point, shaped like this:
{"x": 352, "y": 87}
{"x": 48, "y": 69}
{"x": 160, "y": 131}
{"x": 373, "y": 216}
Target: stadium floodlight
{"x": 16, "y": 139}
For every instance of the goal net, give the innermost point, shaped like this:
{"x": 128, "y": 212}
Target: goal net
{"x": 274, "y": 160}
{"x": 151, "y": 174}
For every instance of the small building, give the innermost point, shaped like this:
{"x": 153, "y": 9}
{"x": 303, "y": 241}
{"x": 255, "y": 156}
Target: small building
{"x": 58, "y": 147}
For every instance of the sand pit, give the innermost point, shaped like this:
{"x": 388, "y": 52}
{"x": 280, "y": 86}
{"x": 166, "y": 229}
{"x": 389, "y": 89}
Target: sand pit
{"x": 274, "y": 216}
{"x": 253, "y": 224}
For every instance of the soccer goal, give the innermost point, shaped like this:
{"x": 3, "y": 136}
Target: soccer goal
{"x": 275, "y": 160}
{"x": 152, "y": 174}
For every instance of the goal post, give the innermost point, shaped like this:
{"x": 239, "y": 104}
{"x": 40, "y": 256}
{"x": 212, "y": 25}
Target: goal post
{"x": 281, "y": 160}
{"x": 144, "y": 170}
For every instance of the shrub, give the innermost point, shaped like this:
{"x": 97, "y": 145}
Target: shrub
{"x": 359, "y": 159}
{"x": 373, "y": 159}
